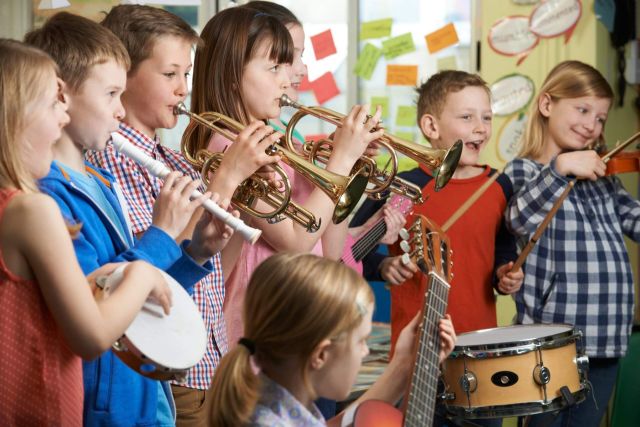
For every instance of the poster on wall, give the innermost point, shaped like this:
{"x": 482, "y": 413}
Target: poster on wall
{"x": 511, "y": 94}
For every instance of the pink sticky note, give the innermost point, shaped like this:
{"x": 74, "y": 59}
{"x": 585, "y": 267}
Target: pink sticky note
{"x": 325, "y": 87}
{"x": 323, "y": 45}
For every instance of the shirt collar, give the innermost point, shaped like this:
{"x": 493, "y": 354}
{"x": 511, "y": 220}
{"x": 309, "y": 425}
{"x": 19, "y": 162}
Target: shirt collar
{"x": 147, "y": 145}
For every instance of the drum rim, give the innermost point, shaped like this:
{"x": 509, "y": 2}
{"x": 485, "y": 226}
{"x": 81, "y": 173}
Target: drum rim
{"x": 516, "y": 409}
{"x": 517, "y": 347}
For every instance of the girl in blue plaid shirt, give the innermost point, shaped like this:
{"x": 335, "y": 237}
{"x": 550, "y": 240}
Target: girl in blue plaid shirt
{"x": 579, "y": 271}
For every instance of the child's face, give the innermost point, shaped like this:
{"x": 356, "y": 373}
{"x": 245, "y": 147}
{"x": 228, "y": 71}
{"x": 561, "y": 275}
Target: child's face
{"x": 297, "y": 70}
{"x": 157, "y": 85}
{"x": 467, "y": 116}
{"x": 263, "y": 83}
{"x": 341, "y": 370}
{"x": 95, "y": 107}
{"x": 574, "y": 123}
{"x": 46, "y": 117}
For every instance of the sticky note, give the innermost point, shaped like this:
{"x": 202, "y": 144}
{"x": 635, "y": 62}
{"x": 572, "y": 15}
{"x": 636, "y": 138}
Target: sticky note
{"x": 323, "y": 44}
{"x": 375, "y": 29}
{"x": 447, "y": 63}
{"x": 305, "y": 84}
{"x": 444, "y": 37}
{"x": 367, "y": 61}
{"x": 397, "y": 46}
{"x": 325, "y": 87}
{"x": 406, "y": 115}
{"x": 382, "y": 101}
{"x": 402, "y": 75}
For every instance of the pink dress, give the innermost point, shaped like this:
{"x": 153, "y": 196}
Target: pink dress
{"x": 252, "y": 255}
{"x": 41, "y": 379}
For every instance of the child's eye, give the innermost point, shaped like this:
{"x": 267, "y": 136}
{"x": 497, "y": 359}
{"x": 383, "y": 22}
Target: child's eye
{"x": 582, "y": 110}
{"x": 113, "y": 93}
{"x": 170, "y": 75}
{"x": 601, "y": 120}
{"x": 187, "y": 74}
{"x": 275, "y": 68}
{"x": 465, "y": 116}
{"x": 487, "y": 118}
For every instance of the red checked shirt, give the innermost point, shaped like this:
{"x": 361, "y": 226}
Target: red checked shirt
{"x": 140, "y": 190}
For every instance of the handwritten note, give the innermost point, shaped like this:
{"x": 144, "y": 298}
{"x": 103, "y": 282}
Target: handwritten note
{"x": 442, "y": 38}
{"x": 323, "y": 44}
{"x": 402, "y": 75}
{"x": 406, "y": 115}
{"x": 325, "y": 88}
{"x": 375, "y": 29}
{"x": 447, "y": 63}
{"x": 367, "y": 61}
{"x": 397, "y": 46}
{"x": 382, "y": 101}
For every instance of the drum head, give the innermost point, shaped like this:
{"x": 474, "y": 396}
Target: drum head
{"x": 515, "y": 333}
{"x": 177, "y": 340}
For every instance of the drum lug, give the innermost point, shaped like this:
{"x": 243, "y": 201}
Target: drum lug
{"x": 468, "y": 382}
{"x": 541, "y": 374}
{"x": 582, "y": 362}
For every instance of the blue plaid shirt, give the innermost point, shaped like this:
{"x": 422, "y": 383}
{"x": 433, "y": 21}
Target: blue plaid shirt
{"x": 579, "y": 271}
{"x": 140, "y": 190}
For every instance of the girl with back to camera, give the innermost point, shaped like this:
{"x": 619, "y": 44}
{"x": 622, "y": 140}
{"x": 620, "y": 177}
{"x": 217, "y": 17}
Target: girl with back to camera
{"x": 49, "y": 314}
{"x": 240, "y": 72}
{"x": 579, "y": 271}
{"x": 307, "y": 319}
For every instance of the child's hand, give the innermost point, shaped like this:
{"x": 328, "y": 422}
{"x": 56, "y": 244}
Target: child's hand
{"x": 248, "y": 153}
{"x": 394, "y": 221}
{"x": 509, "y": 283}
{"x": 173, "y": 207}
{"x": 582, "y": 164}
{"x": 160, "y": 292}
{"x": 102, "y": 271}
{"x": 210, "y": 234}
{"x": 447, "y": 337}
{"x": 354, "y": 136}
{"x": 404, "y": 348}
{"x": 395, "y": 272}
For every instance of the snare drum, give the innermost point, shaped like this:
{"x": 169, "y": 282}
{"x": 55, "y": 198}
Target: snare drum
{"x": 514, "y": 370}
{"x": 159, "y": 346}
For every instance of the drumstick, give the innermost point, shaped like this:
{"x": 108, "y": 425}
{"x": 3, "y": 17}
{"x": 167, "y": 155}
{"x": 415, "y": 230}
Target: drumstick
{"x": 469, "y": 202}
{"x": 159, "y": 170}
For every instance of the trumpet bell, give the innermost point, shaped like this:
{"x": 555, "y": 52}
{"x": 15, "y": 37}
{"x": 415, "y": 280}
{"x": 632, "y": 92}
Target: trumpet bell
{"x": 444, "y": 172}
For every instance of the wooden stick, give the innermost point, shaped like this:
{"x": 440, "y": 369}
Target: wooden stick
{"x": 469, "y": 202}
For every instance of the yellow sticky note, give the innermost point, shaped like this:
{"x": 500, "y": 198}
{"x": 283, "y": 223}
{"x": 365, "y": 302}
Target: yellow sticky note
{"x": 382, "y": 101}
{"x": 367, "y": 61}
{"x": 397, "y": 46}
{"x": 375, "y": 29}
{"x": 447, "y": 63}
{"x": 406, "y": 115}
{"x": 402, "y": 75}
{"x": 444, "y": 37}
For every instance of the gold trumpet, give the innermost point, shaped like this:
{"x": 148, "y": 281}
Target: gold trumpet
{"x": 442, "y": 162}
{"x": 344, "y": 191}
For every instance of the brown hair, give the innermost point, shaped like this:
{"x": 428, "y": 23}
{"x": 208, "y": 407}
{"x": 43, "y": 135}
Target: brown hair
{"x": 232, "y": 38}
{"x": 432, "y": 94}
{"x": 281, "y": 13}
{"x": 568, "y": 79}
{"x": 25, "y": 74}
{"x": 77, "y": 44}
{"x": 293, "y": 303}
{"x": 139, "y": 27}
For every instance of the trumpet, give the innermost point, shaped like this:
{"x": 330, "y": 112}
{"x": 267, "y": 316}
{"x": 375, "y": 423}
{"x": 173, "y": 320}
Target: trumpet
{"x": 442, "y": 162}
{"x": 344, "y": 191}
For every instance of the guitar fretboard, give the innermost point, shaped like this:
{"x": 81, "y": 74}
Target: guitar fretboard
{"x": 424, "y": 382}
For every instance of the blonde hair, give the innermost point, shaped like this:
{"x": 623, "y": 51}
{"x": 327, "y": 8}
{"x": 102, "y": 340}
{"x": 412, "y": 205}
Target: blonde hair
{"x": 293, "y": 302}
{"x": 25, "y": 74}
{"x": 432, "y": 94}
{"x": 139, "y": 27}
{"x": 569, "y": 79}
{"x": 77, "y": 44}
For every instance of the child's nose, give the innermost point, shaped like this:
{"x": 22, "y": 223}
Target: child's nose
{"x": 181, "y": 89}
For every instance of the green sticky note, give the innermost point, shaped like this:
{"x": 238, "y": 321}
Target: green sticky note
{"x": 397, "y": 46}
{"x": 367, "y": 61}
{"x": 407, "y": 136}
{"x": 375, "y": 29}
{"x": 406, "y": 115}
{"x": 447, "y": 63}
{"x": 382, "y": 101}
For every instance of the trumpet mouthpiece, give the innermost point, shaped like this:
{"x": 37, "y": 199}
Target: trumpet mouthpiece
{"x": 285, "y": 101}
{"x": 179, "y": 108}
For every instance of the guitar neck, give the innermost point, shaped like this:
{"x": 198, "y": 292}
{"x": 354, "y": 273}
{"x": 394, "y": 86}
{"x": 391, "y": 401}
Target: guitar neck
{"x": 368, "y": 241}
{"x": 421, "y": 398}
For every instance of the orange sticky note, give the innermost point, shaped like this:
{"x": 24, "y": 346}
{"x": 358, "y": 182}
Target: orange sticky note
{"x": 402, "y": 75}
{"x": 323, "y": 44}
{"x": 305, "y": 85}
{"x": 325, "y": 88}
{"x": 444, "y": 37}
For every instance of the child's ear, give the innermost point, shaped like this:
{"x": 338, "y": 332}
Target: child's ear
{"x": 544, "y": 104}
{"x": 429, "y": 126}
{"x": 320, "y": 355}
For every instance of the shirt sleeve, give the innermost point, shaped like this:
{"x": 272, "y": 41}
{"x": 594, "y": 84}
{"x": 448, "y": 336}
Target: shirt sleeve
{"x": 628, "y": 211}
